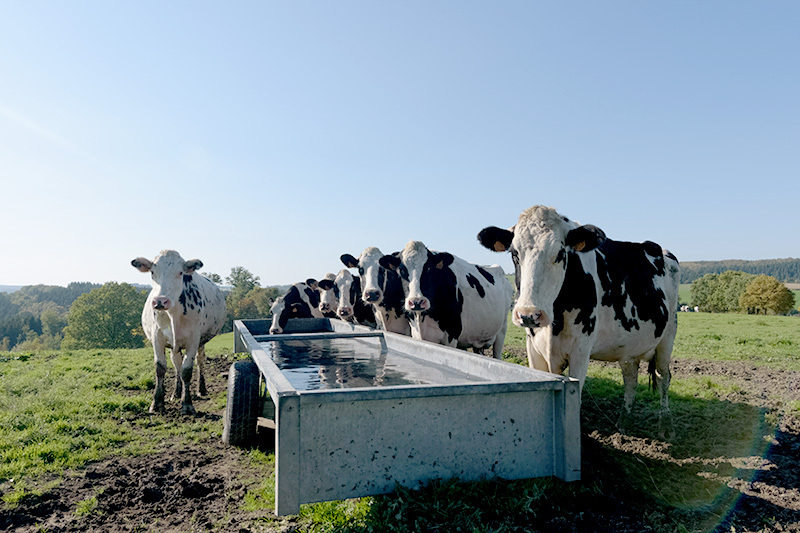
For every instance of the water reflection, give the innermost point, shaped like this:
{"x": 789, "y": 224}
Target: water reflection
{"x": 350, "y": 363}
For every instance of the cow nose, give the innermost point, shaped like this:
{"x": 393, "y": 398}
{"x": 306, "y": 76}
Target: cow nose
{"x": 324, "y": 307}
{"x": 372, "y": 296}
{"x": 532, "y": 317}
{"x": 162, "y": 303}
{"x": 417, "y": 304}
{"x": 345, "y": 312}
{"x": 275, "y": 330}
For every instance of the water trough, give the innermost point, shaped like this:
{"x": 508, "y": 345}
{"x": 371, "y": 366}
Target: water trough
{"x": 358, "y": 410}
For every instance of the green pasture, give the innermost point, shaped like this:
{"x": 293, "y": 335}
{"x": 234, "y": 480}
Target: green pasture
{"x": 61, "y": 410}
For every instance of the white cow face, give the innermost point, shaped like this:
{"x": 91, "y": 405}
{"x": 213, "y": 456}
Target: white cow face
{"x": 347, "y": 286}
{"x": 417, "y": 267}
{"x": 328, "y": 294}
{"x": 370, "y": 271}
{"x": 540, "y": 246}
{"x": 167, "y": 271}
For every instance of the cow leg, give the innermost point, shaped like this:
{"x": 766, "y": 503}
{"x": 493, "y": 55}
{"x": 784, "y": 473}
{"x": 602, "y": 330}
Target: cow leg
{"x": 201, "y": 378}
{"x": 177, "y": 361}
{"x": 186, "y": 374}
{"x": 662, "y": 378}
{"x": 159, "y": 350}
{"x": 630, "y": 377}
{"x": 499, "y": 340}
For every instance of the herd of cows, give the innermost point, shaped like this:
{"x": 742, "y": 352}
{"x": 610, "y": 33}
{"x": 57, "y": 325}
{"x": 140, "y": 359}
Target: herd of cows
{"x": 580, "y": 296}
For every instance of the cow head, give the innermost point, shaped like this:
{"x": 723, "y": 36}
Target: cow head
{"x": 328, "y": 294}
{"x": 372, "y": 274}
{"x": 291, "y": 305}
{"x": 167, "y": 271}
{"x": 540, "y": 244}
{"x": 419, "y": 269}
{"x": 349, "y": 287}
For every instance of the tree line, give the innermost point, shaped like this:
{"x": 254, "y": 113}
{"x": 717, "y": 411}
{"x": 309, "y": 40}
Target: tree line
{"x": 87, "y": 315}
{"x": 735, "y": 291}
{"x": 785, "y": 270}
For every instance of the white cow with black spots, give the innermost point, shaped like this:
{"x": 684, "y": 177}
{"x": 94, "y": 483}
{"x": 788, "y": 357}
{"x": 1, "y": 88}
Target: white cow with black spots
{"x": 451, "y": 301}
{"x": 183, "y": 311}
{"x": 584, "y": 296}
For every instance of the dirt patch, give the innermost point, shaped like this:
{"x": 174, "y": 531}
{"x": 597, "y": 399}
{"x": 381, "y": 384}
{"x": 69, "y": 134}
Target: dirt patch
{"x": 201, "y": 488}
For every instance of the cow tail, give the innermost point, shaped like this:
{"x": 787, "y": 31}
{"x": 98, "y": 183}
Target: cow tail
{"x": 651, "y": 369}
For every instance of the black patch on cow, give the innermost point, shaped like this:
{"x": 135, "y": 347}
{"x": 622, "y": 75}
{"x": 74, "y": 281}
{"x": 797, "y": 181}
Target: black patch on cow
{"x": 671, "y": 256}
{"x": 393, "y": 294}
{"x": 440, "y": 287}
{"x": 627, "y": 271}
{"x": 577, "y": 292}
{"x": 486, "y": 275}
{"x": 190, "y": 296}
{"x": 476, "y": 284}
{"x": 362, "y": 311}
{"x": 295, "y": 306}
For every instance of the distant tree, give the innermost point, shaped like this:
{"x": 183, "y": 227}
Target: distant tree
{"x": 703, "y": 290}
{"x": 7, "y": 307}
{"x": 216, "y": 278}
{"x": 108, "y": 317}
{"x": 242, "y": 280}
{"x": 765, "y": 293}
{"x": 53, "y": 323}
{"x": 728, "y": 288}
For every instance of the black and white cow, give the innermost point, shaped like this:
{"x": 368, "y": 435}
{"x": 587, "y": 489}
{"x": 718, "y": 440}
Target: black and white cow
{"x": 352, "y": 307}
{"x": 381, "y": 288}
{"x": 451, "y": 301}
{"x": 584, "y": 296}
{"x": 328, "y": 296}
{"x": 183, "y": 311}
{"x": 301, "y": 301}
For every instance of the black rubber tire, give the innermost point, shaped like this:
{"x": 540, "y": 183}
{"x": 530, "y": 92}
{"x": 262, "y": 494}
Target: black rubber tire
{"x": 243, "y": 406}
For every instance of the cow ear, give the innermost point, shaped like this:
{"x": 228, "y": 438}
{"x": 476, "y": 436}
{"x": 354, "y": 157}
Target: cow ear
{"x": 142, "y": 264}
{"x": 326, "y": 284}
{"x": 496, "y": 239}
{"x": 441, "y": 260}
{"x": 585, "y": 238}
{"x": 349, "y": 261}
{"x": 390, "y": 262}
{"x": 311, "y": 282}
{"x": 191, "y": 265}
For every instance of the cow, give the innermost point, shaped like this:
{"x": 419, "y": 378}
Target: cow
{"x": 183, "y": 311}
{"x": 352, "y": 307}
{"x": 328, "y": 296}
{"x": 301, "y": 301}
{"x": 381, "y": 288}
{"x": 582, "y": 295}
{"x": 451, "y": 301}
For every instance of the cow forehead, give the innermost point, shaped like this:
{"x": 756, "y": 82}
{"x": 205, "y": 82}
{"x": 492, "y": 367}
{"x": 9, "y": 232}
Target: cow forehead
{"x": 414, "y": 255}
{"x": 168, "y": 260}
{"x": 344, "y": 277}
{"x": 540, "y": 227}
{"x": 370, "y": 256}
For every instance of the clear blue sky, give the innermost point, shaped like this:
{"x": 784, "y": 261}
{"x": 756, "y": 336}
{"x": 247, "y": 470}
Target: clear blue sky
{"x": 279, "y": 135}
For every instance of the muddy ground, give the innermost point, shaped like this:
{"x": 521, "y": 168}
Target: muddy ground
{"x": 201, "y": 488}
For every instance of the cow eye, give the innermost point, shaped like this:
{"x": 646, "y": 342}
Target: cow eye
{"x": 562, "y": 256}
{"x": 361, "y": 270}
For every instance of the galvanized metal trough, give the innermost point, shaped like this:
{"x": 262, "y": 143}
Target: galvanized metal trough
{"x": 394, "y": 410}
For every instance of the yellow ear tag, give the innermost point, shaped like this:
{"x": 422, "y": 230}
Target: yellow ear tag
{"x": 499, "y": 247}
{"x": 580, "y": 246}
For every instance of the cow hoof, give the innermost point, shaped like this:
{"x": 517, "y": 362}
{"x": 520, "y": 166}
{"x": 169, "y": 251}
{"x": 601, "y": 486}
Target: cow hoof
{"x": 625, "y": 423}
{"x": 188, "y": 409}
{"x": 202, "y": 391}
{"x": 157, "y": 407}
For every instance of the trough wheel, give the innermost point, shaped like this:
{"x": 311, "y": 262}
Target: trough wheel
{"x": 243, "y": 406}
